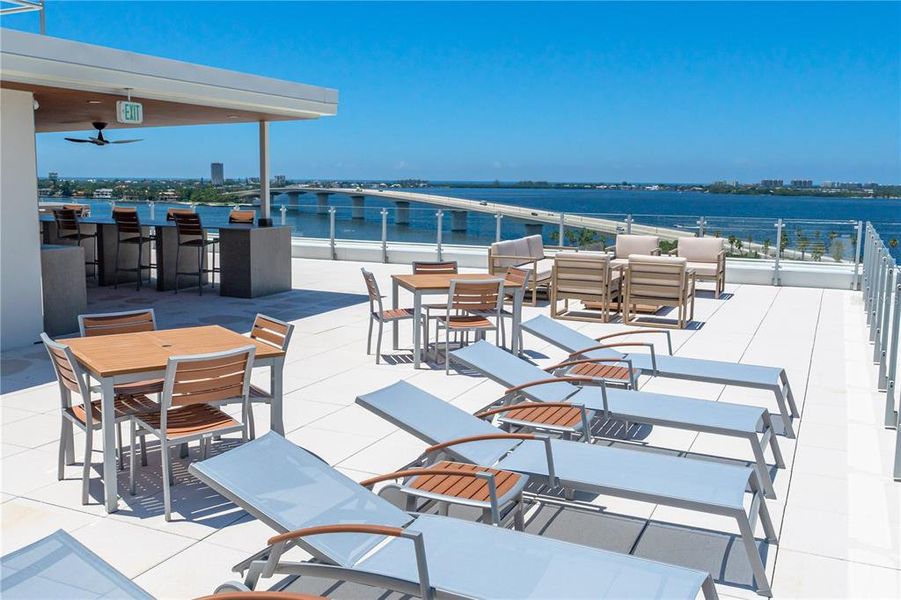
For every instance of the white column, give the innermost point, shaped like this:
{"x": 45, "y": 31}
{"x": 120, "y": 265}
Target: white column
{"x": 265, "y": 200}
{"x": 21, "y": 311}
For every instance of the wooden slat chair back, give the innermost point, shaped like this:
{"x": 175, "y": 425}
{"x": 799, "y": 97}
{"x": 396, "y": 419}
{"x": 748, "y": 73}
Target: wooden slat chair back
{"x": 584, "y": 276}
{"x": 68, "y": 372}
{"x": 372, "y": 288}
{"x": 127, "y": 221}
{"x": 658, "y": 281}
{"x": 66, "y": 219}
{"x": 378, "y": 314}
{"x": 475, "y": 295}
{"x": 470, "y": 305}
{"x": 435, "y": 268}
{"x": 188, "y": 224}
{"x": 208, "y": 378}
{"x": 242, "y": 216}
{"x": 81, "y": 210}
{"x": 170, "y": 214}
{"x": 272, "y": 331}
{"x": 132, "y": 321}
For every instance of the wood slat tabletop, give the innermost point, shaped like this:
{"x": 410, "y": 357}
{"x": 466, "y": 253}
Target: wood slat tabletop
{"x": 128, "y": 353}
{"x": 439, "y": 281}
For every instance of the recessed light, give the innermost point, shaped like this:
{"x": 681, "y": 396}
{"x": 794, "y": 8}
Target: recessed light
{"x": 95, "y": 101}
{"x": 233, "y": 116}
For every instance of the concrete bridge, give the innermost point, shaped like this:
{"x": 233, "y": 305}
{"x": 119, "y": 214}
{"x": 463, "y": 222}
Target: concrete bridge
{"x": 533, "y": 219}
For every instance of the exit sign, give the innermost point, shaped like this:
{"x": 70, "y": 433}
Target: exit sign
{"x": 129, "y": 113}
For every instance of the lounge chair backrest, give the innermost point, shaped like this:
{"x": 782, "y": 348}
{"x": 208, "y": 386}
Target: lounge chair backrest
{"x": 272, "y": 332}
{"x": 509, "y": 371}
{"x": 434, "y": 421}
{"x": 705, "y": 249}
{"x": 466, "y": 295}
{"x": 567, "y": 338}
{"x": 627, "y": 244}
{"x": 581, "y": 276}
{"x": 207, "y": 378}
{"x": 59, "y": 566}
{"x": 129, "y": 321}
{"x": 289, "y": 488}
{"x": 656, "y": 279}
{"x": 69, "y": 374}
{"x": 443, "y": 267}
{"x": 242, "y": 216}
{"x": 127, "y": 220}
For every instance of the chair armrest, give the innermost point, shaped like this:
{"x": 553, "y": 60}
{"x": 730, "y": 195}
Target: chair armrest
{"x": 621, "y": 345}
{"x": 669, "y": 339}
{"x": 543, "y": 406}
{"x": 655, "y": 252}
{"x": 524, "y": 386}
{"x": 552, "y": 474}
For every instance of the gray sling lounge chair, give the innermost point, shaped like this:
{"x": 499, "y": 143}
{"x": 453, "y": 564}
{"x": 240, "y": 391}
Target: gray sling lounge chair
{"x": 59, "y": 566}
{"x": 301, "y": 497}
{"x": 522, "y": 377}
{"x": 675, "y": 367}
{"x": 700, "y": 485}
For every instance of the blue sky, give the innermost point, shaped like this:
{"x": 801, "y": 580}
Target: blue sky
{"x": 581, "y": 92}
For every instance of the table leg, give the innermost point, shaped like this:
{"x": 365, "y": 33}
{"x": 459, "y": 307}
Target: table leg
{"x": 108, "y": 419}
{"x": 276, "y": 373}
{"x": 417, "y": 328}
{"x": 516, "y": 324}
{"x": 396, "y": 325}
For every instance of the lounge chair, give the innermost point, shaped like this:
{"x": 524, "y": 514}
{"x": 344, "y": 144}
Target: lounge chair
{"x": 522, "y": 377}
{"x": 704, "y": 486}
{"x": 676, "y": 367}
{"x": 59, "y": 566}
{"x": 345, "y": 526}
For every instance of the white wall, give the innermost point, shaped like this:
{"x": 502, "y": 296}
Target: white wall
{"x": 21, "y": 316}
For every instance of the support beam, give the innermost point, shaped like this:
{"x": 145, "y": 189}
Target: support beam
{"x": 402, "y": 213}
{"x": 322, "y": 203}
{"x": 265, "y": 200}
{"x": 534, "y": 228}
{"x": 458, "y": 220}
{"x": 357, "y": 208}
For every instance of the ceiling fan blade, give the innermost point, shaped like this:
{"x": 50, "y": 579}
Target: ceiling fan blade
{"x": 78, "y": 140}
{"x": 123, "y": 141}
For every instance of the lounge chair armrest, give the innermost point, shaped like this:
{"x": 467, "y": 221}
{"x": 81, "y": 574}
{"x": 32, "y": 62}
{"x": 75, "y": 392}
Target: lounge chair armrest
{"x": 279, "y": 541}
{"x": 648, "y": 345}
{"x": 552, "y": 474}
{"x": 543, "y": 406}
{"x": 669, "y": 339}
{"x": 524, "y": 386}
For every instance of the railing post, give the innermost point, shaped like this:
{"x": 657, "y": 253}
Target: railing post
{"x": 855, "y": 285}
{"x": 883, "y": 340}
{"x": 867, "y": 271}
{"x": 284, "y": 215}
{"x": 497, "y": 227}
{"x": 331, "y": 231}
{"x": 439, "y": 217}
{"x": 384, "y": 235}
{"x": 702, "y": 226}
{"x": 152, "y": 210}
{"x": 891, "y": 414}
{"x": 628, "y": 224}
{"x": 876, "y": 304}
{"x": 561, "y": 230}
{"x": 777, "y": 279}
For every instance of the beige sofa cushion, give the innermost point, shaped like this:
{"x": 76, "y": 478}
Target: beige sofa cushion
{"x": 627, "y": 245}
{"x": 703, "y": 249}
{"x": 544, "y": 269}
{"x": 704, "y": 269}
{"x": 518, "y": 248}
{"x": 535, "y": 245}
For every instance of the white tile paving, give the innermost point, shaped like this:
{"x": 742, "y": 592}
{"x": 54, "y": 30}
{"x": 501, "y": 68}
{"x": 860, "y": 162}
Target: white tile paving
{"x": 838, "y": 512}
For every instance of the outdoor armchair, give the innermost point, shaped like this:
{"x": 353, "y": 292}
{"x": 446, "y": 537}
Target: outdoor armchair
{"x": 587, "y": 277}
{"x": 706, "y": 257}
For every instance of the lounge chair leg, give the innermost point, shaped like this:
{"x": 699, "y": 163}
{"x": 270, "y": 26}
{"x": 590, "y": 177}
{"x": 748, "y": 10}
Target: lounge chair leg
{"x": 443, "y": 508}
{"x": 86, "y": 468}
{"x": 774, "y": 443}
{"x": 708, "y": 588}
{"x": 763, "y": 471}
{"x": 167, "y": 476}
{"x": 143, "y": 450}
{"x": 250, "y": 424}
{"x": 747, "y": 538}
{"x": 447, "y": 352}
{"x": 183, "y": 450}
{"x": 519, "y": 520}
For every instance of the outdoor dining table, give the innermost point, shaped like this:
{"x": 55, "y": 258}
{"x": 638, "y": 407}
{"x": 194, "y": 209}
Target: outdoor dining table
{"x": 432, "y": 284}
{"x": 128, "y": 357}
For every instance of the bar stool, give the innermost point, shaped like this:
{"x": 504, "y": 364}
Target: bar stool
{"x": 191, "y": 235}
{"x": 242, "y": 216}
{"x": 130, "y": 233}
{"x": 68, "y": 227}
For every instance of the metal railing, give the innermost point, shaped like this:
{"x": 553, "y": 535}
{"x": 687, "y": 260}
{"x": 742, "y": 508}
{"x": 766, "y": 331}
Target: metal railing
{"x": 881, "y": 288}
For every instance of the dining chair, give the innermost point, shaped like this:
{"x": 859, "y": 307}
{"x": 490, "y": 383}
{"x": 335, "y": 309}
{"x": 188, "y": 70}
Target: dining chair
{"x": 130, "y": 233}
{"x": 275, "y": 333}
{"x": 522, "y": 278}
{"x": 378, "y": 313}
{"x": 242, "y": 216}
{"x": 191, "y": 235}
{"x": 86, "y": 415}
{"x": 445, "y": 267}
{"x": 69, "y": 228}
{"x": 464, "y": 299}
{"x": 185, "y": 412}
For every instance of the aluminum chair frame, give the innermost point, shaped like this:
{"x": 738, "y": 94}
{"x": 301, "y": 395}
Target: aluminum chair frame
{"x": 262, "y": 334}
{"x": 64, "y": 215}
{"x": 138, "y": 422}
{"x": 454, "y": 306}
{"x": 83, "y": 330}
{"x": 524, "y": 379}
{"x": 687, "y": 483}
{"x": 773, "y": 379}
{"x": 379, "y": 316}
{"x": 136, "y": 237}
{"x": 431, "y": 267}
{"x": 301, "y": 497}
{"x": 189, "y": 225}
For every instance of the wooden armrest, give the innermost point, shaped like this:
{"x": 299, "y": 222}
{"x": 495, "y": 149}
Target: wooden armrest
{"x": 421, "y": 471}
{"x": 261, "y": 596}
{"x": 549, "y": 380}
{"x": 346, "y": 528}
{"x": 669, "y": 339}
{"x": 525, "y": 406}
{"x": 524, "y": 259}
{"x": 648, "y": 345}
{"x": 479, "y": 438}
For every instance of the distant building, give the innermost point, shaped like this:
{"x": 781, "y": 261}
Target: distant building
{"x": 771, "y": 183}
{"x": 217, "y": 173}
{"x": 279, "y": 180}
{"x": 802, "y": 183}
{"x": 727, "y": 182}
{"x": 53, "y": 176}
{"x": 169, "y": 195}
{"x": 103, "y": 194}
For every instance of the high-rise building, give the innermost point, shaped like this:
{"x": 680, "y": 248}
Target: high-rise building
{"x": 217, "y": 173}
{"x": 771, "y": 183}
{"x": 802, "y": 183}
{"x": 53, "y": 176}
{"x": 279, "y": 180}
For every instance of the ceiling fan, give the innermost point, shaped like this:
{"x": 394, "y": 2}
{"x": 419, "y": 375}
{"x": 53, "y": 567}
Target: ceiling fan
{"x": 100, "y": 140}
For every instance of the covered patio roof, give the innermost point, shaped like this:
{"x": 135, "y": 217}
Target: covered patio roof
{"x": 76, "y": 84}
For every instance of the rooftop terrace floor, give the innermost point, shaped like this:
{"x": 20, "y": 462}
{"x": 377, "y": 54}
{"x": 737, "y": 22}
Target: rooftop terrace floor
{"x": 837, "y": 512}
